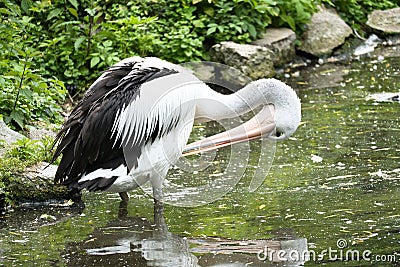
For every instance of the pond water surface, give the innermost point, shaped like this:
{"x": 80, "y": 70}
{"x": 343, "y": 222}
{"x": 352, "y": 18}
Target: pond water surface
{"x": 333, "y": 190}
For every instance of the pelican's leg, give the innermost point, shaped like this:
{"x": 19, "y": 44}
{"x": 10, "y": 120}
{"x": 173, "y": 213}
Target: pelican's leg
{"x": 123, "y": 205}
{"x": 157, "y": 184}
{"x": 157, "y": 194}
{"x": 159, "y": 222}
{"x": 124, "y": 196}
{"x": 123, "y": 210}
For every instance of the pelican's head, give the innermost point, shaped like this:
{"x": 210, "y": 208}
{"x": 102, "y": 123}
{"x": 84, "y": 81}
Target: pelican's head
{"x": 278, "y": 119}
{"x": 284, "y": 103}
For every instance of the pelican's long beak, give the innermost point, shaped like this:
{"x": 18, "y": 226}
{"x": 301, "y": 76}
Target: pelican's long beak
{"x": 260, "y": 125}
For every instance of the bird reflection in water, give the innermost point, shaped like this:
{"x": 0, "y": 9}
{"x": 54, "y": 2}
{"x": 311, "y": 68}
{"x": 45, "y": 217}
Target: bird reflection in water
{"x": 135, "y": 241}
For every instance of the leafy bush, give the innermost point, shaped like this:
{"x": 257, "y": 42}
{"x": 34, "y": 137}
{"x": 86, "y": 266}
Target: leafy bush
{"x": 79, "y": 39}
{"x": 184, "y": 30}
{"x": 295, "y": 13}
{"x": 83, "y": 38}
{"x": 45, "y": 44}
{"x": 178, "y": 32}
{"x": 32, "y": 151}
{"x": 240, "y": 21}
{"x": 25, "y": 94}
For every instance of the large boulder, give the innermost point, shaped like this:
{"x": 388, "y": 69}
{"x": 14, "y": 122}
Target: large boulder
{"x": 325, "y": 31}
{"x": 387, "y": 21}
{"x": 281, "y": 41}
{"x": 253, "y": 60}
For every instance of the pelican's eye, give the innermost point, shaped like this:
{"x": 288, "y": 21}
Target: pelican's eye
{"x": 279, "y": 134}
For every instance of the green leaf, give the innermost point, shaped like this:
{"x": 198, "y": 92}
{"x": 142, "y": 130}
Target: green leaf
{"x": 73, "y": 12}
{"x": 91, "y": 11}
{"x": 54, "y": 13}
{"x": 5, "y": 11}
{"x": 198, "y": 23}
{"x": 42, "y": 85}
{"x": 209, "y": 11}
{"x": 67, "y": 23}
{"x": 13, "y": 73}
{"x": 94, "y": 61}
{"x": 252, "y": 30}
{"x": 74, "y": 3}
{"x": 211, "y": 30}
{"x": 290, "y": 21}
{"x": 78, "y": 42}
{"x": 18, "y": 117}
{"x": 107, "y": 43}
{"x": 26, "y": 5}
{"x": 26, "y": 92}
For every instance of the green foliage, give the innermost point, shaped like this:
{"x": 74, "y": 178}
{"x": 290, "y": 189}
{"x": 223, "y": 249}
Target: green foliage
{"x": 32, "y": 151}
{"x": 82, "y": 38}
{"x": 25, "y": 94}
{"x": 240, "y": 21}
{"x": 185, "y": 30}
{"x": 245, "y": 20}
{"x": 179, "y": 32}
{"x": 46, "y": 44}
{"x": 295, "y": 13}
{"x": 76, "y": 40}
{"x": 355, "y": 12}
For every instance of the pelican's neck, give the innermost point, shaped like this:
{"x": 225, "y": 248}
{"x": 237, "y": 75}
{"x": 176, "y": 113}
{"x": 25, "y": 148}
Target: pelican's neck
{"x": 212, "y": 105}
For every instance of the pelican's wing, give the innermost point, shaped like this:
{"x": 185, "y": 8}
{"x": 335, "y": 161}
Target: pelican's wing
{"x": 91, "y": 140}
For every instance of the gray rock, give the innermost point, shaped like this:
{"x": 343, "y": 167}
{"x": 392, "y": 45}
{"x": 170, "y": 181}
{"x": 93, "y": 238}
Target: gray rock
{"x": 254, "y": 61}
{"x": 37, "y": 134}
{"x": 36, "y": 184}
{"x": 325, "y": 31}
{"x": 281, "y": 42}
{"x": 387, "y": 21}
{"x": 218, "y": 74}
{"x": 8, "y": 135}
{"x": 43, "y": 171}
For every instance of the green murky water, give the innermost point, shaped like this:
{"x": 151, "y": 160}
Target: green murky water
{"x": 335, "y": 185}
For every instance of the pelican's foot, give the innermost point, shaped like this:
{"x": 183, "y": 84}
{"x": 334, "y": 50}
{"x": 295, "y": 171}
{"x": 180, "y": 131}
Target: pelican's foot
{"x": 124, "y": 196}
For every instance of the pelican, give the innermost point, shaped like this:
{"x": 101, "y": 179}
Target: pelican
{"x": 134, "y": 121}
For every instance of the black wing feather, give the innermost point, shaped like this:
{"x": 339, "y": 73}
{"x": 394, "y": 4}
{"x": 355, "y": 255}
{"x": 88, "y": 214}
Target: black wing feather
{"x": 86, "y": 141}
